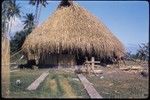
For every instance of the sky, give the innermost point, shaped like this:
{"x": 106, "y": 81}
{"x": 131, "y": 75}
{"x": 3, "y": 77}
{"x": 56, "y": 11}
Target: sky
{"x": 127, "y": 20}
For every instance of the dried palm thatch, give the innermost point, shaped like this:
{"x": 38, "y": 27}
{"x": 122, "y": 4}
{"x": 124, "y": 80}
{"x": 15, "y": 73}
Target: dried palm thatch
{"x": 74, "y": 29}
{"x": 5, "y": 67}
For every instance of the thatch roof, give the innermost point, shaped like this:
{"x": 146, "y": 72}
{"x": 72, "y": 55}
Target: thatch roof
{"x": 73, "y": 28}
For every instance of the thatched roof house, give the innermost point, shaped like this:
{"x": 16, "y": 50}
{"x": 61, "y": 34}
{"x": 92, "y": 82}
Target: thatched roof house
{"x": 69, "y": 31}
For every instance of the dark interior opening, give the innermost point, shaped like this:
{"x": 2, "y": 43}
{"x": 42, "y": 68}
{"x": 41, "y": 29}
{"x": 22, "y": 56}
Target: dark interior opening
{"x": 29, "y": 64}
{"x": 80, "y": 60}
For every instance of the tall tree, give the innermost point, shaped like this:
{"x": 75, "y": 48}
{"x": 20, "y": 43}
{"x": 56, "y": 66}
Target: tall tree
{"x": 9, "y": 10}
{"x": 38, "y": 3}
{"x": 18, "y": 39}
{"x": 29, "y": 21}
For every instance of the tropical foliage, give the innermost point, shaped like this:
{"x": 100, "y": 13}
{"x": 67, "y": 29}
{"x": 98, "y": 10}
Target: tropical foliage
{"x": 38, "y": 3}
{"x": 18, "y": 39}
{"x": 143, "y": 51}
{"x": 141, "y": 54}
{"x": 9, "y": 10}
{"x": 29, "y": 21}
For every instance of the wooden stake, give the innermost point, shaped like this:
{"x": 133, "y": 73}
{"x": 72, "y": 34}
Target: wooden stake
{"x": 93, "y": 63}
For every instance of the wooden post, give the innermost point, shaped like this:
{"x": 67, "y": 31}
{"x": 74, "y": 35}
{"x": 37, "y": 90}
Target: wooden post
{"x": 87, "y": 65}
{"x": 59, "y": 66}
{"x": 36, "y": 60}
{"x": 5, "y": 67}
{"x": 93, "y": 63}
{"x": 90, "y": 64}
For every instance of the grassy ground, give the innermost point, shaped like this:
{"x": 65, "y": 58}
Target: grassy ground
{"x": 63, "y": 83}
{"x": 58, "y": 84}
{"x": 118, "y": 84}
{"x": 26, "y": 76}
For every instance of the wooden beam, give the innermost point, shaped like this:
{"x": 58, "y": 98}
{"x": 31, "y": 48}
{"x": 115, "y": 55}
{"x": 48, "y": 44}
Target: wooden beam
{"x": 92, "y": 62}
{"x": 92, "y": 65}
{"x": 38, "y": 81}
{"x": 89, "y": 88}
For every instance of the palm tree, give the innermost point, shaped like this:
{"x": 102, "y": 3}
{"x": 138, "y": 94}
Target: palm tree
{"x": 9, "y": 10}
{"x": 18, "y": 39}
{"x": 13, "y": 9}
{"x": 29, "y": 21}
{"x": 37, "y": 10}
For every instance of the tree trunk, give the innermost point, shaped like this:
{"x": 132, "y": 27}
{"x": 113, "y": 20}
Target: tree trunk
{"x": 9, "y": 28}
{"x": 36, "y": 14}
{"x": 5, "y": 67}
{"x": 39, "y": 13}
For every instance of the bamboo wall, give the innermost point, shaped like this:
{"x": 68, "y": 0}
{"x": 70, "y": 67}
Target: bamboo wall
{"x": 63, "y": 60}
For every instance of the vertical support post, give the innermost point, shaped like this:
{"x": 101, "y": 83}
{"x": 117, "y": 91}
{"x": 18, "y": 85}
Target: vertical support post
{"x": 59, "y": 67}
{"x": 88, "y": 68}
{"x": 118, "y": 63}
{"x": 124, "y": 62}
{"x": 93, "y": 63}
{"x": 86, "y": 65}
{"x": 5, "y": 67}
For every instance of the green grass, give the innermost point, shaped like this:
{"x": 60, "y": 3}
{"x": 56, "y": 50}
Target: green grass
{"x": 120, "y": 88}
{"x": 62, "y": 84}
{"x": 58, "y": 84}
{"x": 26, "y": 76}
{"x": 61, "y": 89}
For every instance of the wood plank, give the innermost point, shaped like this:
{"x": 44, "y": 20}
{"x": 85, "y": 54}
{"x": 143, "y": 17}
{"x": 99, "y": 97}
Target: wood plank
{"x": 14, "y": 70}
{"x": 136, "y": 68}
{"x": 37, "y": 82}
{"x": 92, "y": 65}
{"x": 89, "y": 88}
{"x": 89, "y": 62}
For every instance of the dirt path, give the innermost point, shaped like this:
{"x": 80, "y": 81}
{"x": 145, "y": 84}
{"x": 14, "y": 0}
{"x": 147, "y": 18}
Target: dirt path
{"x": 90, "y": 89}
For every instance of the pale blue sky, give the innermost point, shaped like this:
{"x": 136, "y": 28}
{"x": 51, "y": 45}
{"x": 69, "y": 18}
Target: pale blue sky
{"x": 128, "y": 20}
